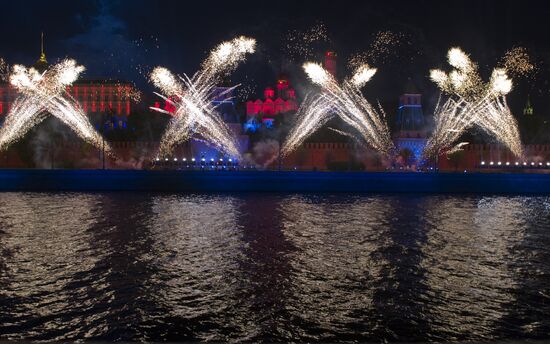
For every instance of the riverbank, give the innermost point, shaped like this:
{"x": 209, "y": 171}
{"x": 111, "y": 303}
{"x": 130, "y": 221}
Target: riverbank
{"x": 272, "y": 181}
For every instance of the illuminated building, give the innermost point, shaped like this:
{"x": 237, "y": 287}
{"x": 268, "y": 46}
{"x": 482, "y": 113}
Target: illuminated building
{"x": 410, "y": 126}
{"x": 110, "y": 97}
{"x": 272, "y": 104}
{"x": 330, "y": 62}
{"x": 278, "y": 100}
{"x": 533, "y": 127}
{"x": 410, "y": 118}
{"x": 97, "y": 97}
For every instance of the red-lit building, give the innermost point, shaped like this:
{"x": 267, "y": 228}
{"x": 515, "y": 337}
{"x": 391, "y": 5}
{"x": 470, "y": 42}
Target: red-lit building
{"x": 109, "y": 97}
{"x": 95, "y": 96}
{"x": 330, "y": 62}
{"x": 282, "y": 98}
{"x": 276, "y": 100}
{"x": 99, "y": 96}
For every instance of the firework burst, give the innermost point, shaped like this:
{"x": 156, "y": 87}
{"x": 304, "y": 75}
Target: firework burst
{"x": 345, "y": 101}
{"x": 384, "y": 44}
{"x": 302, "y": 44}
{"x": 192, "y": 98}
{"x": 471, "y": 103}
{"x": 45, "y": 93}
{"x": 315, "y": 111}
{"x": 518, "y": 63}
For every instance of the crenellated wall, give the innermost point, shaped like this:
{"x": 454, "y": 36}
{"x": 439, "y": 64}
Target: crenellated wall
{"x": 310, "y": 156}
{"x": 496, "y": 157}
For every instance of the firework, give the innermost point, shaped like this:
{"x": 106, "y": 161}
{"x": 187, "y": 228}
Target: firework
{"x": 315, "y": 111}
{"x": 302, "y": 44}
{"x": 128, "y": 92}
{"x": 518, "y": 63}
{"x": 192, "y": 98}
{"x": 471, "y": 103}
{"x": 362, "y": 75}
{"x": 384, "y": 44}
{"x": 344, "y": 101}
{"x": 4, "y": 70}
{"x": 463, "y": 81}
{"x": 46, "y": 93}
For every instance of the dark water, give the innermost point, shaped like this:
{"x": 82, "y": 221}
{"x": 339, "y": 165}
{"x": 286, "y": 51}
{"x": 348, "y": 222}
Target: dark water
{"x": 273, "y": 267}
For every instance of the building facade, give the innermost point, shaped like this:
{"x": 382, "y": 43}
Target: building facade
{"x": 276, "y": 100}
{"x": 99, "y": 97}
{"x": 410, "y": 133}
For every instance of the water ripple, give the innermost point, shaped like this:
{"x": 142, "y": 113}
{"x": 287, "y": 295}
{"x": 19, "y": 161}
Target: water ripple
{"x": 251, "y": 267}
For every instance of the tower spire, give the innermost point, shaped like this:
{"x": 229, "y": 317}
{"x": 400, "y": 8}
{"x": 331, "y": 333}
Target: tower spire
{"x": 42, "y": 55}
{"x": 42, "y": 64}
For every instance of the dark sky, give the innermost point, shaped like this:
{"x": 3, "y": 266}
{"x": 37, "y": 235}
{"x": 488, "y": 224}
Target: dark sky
{"x": 125, "y": 39}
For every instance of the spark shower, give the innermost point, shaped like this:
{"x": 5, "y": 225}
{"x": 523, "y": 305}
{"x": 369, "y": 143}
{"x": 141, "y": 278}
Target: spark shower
{"x": 471, "y": 103}
{"x": 43, "y": 93}
{"x": 345, "y": 101}
{"x": 192, "y": 98}
{"x": 468, "y": 103}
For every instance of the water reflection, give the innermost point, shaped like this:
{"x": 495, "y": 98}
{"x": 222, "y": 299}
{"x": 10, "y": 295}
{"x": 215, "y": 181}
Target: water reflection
{"x": 200, "y": 249}
{"x": 42, "y": 256}
{"x": 466, "y": 262}
{"x": 357, "y": 278}
{"x": 121, "y": 282}
{"x": 529, "y": 305}
{"x": 273, "y": 267}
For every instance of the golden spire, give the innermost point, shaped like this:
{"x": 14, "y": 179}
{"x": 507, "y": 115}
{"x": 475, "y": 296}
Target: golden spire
{"x": 42, "y": 55}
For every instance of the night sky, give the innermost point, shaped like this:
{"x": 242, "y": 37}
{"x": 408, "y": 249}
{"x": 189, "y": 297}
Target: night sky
{"x": 126, "y": 39}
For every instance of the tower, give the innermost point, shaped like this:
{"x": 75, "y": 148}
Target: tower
{"x": 330, "y": 62}
{"x": 410, "y": 118}
{"x": 410, "y": 126}
{"x": 223, "y": 100}
{"x": 282, "y": 86}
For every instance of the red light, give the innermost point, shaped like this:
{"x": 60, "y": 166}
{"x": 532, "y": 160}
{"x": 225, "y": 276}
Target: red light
{"x": 168, "y": 106}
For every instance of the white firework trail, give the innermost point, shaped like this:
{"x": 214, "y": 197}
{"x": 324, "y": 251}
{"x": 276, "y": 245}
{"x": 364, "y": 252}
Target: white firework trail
{"x": 471, "y": 103}
{"x": 315, "y": 111}
{"x": 192, "y": 99}
{"x": 344, "y": 101}
{"x": 42, "y": 94}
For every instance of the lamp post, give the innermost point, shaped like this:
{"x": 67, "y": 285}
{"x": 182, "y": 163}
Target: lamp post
{"x": 103, "y": 153}
{"x": 280, "y": 158}
{"x": 51, "y": 153}
{"x": 103, "y": 141}
{"x": 52, "y": 145}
